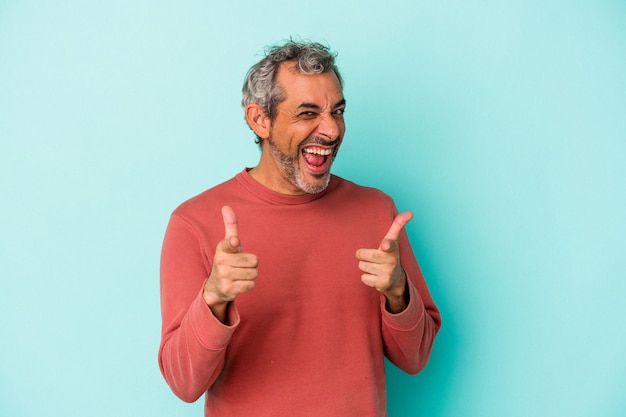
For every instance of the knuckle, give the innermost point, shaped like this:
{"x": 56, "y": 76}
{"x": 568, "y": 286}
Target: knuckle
{"x": 223, "y": 271}
{"x": 226, "y": 287}
{"x": 220, "y": 259}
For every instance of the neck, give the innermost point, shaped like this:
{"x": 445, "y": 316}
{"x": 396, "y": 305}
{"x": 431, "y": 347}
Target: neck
{"x": 281, "y": 186}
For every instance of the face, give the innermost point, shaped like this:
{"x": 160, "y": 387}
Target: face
{"x": 307, "y": 131}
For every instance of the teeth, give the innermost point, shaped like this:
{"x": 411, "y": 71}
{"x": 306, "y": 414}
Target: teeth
{"x": 317, "y": 151}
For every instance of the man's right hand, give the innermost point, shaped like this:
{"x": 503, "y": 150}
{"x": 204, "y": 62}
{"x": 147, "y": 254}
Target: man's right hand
{"x": 233, "y": 271}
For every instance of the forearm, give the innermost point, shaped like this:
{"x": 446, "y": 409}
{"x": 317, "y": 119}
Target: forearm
{"x": 410, "y": 334}
{"x": 192, "y": 354}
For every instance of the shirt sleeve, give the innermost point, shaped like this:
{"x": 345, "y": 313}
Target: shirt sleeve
{"x": 193, "y": 341}
{"x": 409, "y": 335}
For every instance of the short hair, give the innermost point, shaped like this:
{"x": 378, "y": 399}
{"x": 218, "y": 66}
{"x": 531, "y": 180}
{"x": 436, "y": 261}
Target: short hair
{"x": 260, "y": 85}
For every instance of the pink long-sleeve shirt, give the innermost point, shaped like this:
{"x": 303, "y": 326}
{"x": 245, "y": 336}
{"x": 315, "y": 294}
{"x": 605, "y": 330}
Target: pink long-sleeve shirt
{"x": 310, "y": 338}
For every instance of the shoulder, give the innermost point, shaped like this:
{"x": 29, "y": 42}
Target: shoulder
{"x": 207, "y": 201}
{"x": 367, "y": 210}
{"x": 352, "y": 190}
{"x": 358, "y": 201}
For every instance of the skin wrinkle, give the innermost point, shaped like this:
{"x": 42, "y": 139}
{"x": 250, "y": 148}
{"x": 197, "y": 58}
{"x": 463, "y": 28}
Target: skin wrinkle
{"x": 311, "y": 114}
{"x": 292, "y": 171}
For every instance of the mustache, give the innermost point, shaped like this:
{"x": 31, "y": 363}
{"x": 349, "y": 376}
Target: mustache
{"x": 318, "y": 140}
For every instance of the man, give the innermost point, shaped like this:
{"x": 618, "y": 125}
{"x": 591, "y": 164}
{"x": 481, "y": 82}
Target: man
{"x": 284, "y": 288}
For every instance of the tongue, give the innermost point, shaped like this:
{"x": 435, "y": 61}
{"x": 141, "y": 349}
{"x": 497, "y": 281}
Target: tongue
{"x": 313, "y": 159}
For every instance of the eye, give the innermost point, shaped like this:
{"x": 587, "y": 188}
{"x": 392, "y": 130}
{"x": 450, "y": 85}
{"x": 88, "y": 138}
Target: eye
{"x": 339, "y": 112}
{"x": 307, "y": 114}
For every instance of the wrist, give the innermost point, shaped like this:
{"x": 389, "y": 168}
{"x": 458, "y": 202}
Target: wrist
{"x": 218, "y": 307}
{"x": 397, "y": 298}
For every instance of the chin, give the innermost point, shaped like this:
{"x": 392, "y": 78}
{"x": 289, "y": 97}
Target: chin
{"x": 313, "y": 187}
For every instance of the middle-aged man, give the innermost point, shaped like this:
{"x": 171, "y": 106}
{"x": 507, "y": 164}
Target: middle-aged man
{"x": 284, "y": 288}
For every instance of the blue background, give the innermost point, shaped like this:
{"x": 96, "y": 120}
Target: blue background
{"x": 501, "y": 124}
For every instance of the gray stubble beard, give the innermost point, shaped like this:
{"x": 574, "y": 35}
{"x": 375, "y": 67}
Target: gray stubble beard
{"x": 292, "y": 172}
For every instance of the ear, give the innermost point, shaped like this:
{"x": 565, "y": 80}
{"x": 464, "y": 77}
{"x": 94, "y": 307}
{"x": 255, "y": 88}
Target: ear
{"x": 258, "y": 121}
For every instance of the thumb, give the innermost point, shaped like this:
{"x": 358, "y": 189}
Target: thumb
{"x": 389, "y": 242}
{"x": 388, "y": 245}
{"x": 231, "y": 242}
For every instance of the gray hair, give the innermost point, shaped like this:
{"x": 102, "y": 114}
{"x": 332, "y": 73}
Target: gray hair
{"x": 260, "y": 85}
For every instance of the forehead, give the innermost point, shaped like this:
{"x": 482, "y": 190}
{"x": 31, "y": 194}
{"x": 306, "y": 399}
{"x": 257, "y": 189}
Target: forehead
{"x": 314, "y": 88}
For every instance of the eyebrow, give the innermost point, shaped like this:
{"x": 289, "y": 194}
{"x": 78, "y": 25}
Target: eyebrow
{"x": 340, "y": 103}
{"x": 314, "y": 106}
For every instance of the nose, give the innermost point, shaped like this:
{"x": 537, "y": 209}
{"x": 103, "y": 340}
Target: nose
{"x": 330, "y": 126}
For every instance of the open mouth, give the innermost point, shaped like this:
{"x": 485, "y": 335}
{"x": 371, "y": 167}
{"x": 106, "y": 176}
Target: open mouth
{"x": 317, "y": 158}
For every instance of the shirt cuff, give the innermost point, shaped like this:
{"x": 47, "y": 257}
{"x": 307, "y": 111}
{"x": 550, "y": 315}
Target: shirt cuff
{"x": 210, "y": 332}
{"x": 408, "y": 318}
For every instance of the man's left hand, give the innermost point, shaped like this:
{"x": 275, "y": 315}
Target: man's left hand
{"x": 382, "y": 269}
